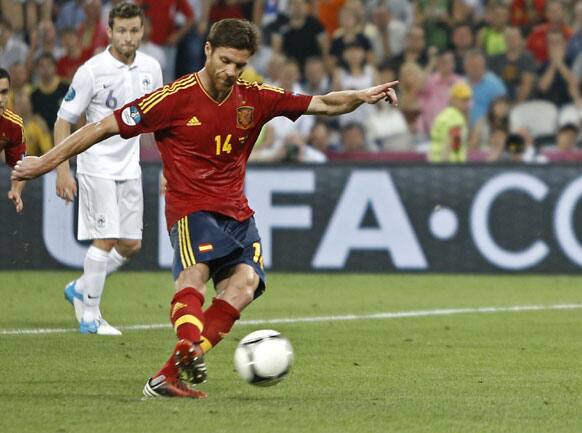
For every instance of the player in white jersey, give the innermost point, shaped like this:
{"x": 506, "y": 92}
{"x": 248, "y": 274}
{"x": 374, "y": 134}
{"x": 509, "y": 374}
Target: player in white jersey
{"x": 109, "y": 174}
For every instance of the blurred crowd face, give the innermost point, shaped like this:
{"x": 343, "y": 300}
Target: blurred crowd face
{"x": 566, "y": 139}
{"x": 46, "y": 69}
{"x": 462, "y": 104}
{"x": 126, "y": 36}
{"x": 555, "y": 13}
{"x": 19, "y": 75}
{"x": 92, "y": 9}
{"x": 500, "y": 16}
{"x": 319, "y": 137}
{"x": 5, "y": 33}
{"x": 347, "y": 19}
{"x": 297, "y": 9}
{"x": 415, "y": 40}
{"x": 354, "y": 56}
{"x": 513, "y": 39}
{"x": 353, "y": 139}
{"x": 4, "y": 89}
{"x": 474, "y": 64}
{"x": 314, "y": 71}
{"x": 47, "y": 34}
{"x": 446, "y": 64}
{"x": 556, "y": 43}
{"x": 70, "y": 41}
{"x": 463, "y": 38}
{"x": 274, "y": 67}
{"x": 289, "y": 76}
{"x": 22, "y": 105}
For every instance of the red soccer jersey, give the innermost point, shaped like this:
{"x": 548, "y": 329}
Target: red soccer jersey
{"x": 205, "y": 144}
{"x": 12, "y": 137}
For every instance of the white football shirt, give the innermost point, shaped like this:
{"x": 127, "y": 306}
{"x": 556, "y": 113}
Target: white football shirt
{"x": 101, "y": 85}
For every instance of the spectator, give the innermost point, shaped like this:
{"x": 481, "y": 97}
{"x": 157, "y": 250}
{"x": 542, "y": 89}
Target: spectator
{"x": 19, "y": 83}
{"x": 435, "y": 18}
{"x": 567, "y": 137}
{"x": 414, "y": 49}
{"x": 26, "y": 13}
{"x": 392, "y": 33}
{"x": 557, "y": 82}
{"x": 302, "y": 37}
{"x": 316, "y": 80}
{"x": 353, "y": 138}
{"x": 434, "y": 95}
{"x": 165, "y": 32}
{"x": 12, "y": 50}
{"x": 575, "y": 44}
{"x": 50, "y": 90}
{"x": 274, "y": 67}
{"x": 519, "y": 148}
{"x": 491, "y": 37}
{"x": 148, "y": 47}
{"x": 190, "y": 51}
{"x": 486, "y": 85}
{"x": 328, "y": 14}
{"x": 412, "y": 79}
{"x": 73, "y": 58}
{"x": 450, "y": 132}
{"x": 321, "y": 138}
{"x": 38, "y": 137}
{"x": 537, "y": 42}
{"x": 527, "y": 13}
{"x": 93, "y": 35}
{"x": 490, "y": 133}
{"x": 462, "y": 42}
{"x": 516, "y": 67}
{"x": 43, "y": 39}
{"x": 356, "y": 74}
{"x": 350, "y": 34}
{"x": 71, "y": 15}
{"x": 386, "y": 125}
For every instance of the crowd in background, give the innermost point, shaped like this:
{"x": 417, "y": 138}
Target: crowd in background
{"x": 522, "y": 60}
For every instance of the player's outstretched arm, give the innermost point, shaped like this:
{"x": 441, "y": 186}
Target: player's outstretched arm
{"x": 345, "y": 101}
{"x": 66, "y": 184}
{"x": 90, "y": 134}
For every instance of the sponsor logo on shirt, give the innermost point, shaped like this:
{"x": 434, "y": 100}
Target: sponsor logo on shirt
{"x": 244, "y": 117}
{"x": 130, "y": 116}
{"x": 194, "y": 122}
{"x": 70, "y": 94}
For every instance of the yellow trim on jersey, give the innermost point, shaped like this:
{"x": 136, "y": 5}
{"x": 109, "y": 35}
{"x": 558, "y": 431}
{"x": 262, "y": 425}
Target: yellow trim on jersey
{"x": 189, "y": 318}
{"x": 164, "y": 88}
{"x": 13, "y": 117}
{"x": 177, "y": 306}
{"x": 205, "y": 345}
{"x": 263, "y": 86}
{"x": 159, "y": 95}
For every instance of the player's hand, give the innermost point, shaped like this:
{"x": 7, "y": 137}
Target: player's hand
{"x": 16, "y": 199}
{"x": 384, "y": 91}
{"x": 28, "y": 167}
{"x": 66, "y": 185}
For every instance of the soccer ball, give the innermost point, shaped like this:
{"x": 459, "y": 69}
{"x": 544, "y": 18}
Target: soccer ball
{"x": 263, "y": 358}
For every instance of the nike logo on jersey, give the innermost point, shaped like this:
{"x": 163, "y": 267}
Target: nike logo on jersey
{"x": 194, "y": 122}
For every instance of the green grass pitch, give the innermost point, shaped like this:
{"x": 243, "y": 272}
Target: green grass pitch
{"x": 504, "y": 371}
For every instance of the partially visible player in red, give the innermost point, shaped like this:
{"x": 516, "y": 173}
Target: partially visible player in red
{"x": 205, "y": 125}
{"x": 11, "y": 138}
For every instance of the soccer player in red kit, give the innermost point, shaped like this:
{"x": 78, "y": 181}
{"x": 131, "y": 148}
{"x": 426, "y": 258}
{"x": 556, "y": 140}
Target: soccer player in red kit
{"x": 11, "y": 138}
{"x": 205, "y": 125}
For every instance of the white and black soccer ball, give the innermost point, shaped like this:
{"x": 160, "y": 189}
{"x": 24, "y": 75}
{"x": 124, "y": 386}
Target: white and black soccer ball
{"x": 264, "y": 357}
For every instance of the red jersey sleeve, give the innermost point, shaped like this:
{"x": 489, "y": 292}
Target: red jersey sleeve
{"x": 149, "y": 113}
{"x": 16, "y": 148}
{"x": 282, "y": 103}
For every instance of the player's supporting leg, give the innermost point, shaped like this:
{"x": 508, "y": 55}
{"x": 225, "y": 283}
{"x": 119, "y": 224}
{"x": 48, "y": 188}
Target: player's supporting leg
{"x": 234, "y": 294}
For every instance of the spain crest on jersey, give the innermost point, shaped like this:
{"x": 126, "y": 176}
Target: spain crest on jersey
{"x": 244, "y": 117}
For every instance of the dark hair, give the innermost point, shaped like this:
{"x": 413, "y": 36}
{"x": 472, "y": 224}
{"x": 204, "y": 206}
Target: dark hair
{"x": 46, "y": 55}
{"x": 4, "y": 74}
{"x": 125, "y": 10}
{"x": 234, "y": 33}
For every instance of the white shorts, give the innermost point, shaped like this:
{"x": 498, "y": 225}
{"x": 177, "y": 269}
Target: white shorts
{"x": 109, "y": 209}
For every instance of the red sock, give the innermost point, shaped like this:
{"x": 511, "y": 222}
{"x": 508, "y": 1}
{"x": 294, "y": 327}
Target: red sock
{"x": 169, "y": 369}
{"x": 187, "y": 316}
{"x": 219, "y": 319}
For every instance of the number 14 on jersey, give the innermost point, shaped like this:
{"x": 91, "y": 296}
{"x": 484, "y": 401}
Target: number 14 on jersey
{"x": 223, "y": 146}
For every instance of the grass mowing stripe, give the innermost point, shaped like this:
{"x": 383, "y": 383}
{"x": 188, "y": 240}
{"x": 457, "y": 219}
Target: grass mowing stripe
{"x": 291, "y": 320}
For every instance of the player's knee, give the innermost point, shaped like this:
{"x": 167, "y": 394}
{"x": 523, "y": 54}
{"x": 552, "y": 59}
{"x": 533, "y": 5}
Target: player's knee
{"x": 193, "y": 277}
{"x": 134, "y": 247}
